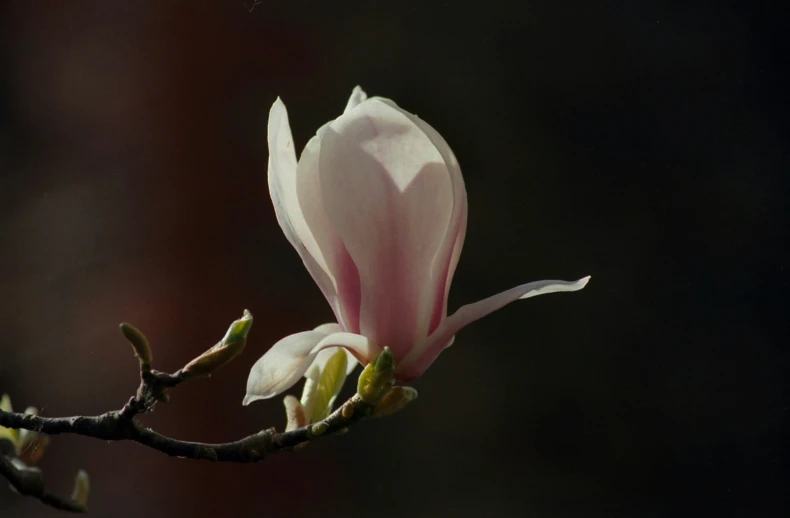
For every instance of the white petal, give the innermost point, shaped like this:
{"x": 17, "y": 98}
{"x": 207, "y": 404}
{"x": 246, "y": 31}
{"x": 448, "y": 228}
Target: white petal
{"x": 282, "y": 187}
{"x": 422, "y": 356}
{"x": 357, "y": 96}
{"x": 329, "y": 328}
{"x": 326, "y": 354}
{"x": 388, "y": 195}
{"x": 287, "y": 360}
{"x": 449, "y": 252}
{"x": 339, "y": 264}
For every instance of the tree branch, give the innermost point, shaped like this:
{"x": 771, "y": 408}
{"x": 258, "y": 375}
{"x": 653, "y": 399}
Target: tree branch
{"x": 30, "y": 482}
{"x": 122, "y": 425}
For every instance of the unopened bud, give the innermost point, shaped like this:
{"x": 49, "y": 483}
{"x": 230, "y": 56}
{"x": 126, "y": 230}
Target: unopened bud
{"x": 347, "y": 410}
{"x": 222, "y": 353}
{"x": 82, "y": 488}
{"x": 319, "y": 429}
{"x": 377, "y": 378}
{"x": 394, "y": 401}
{"x": 142, "y": 349}
{"x": 294, "y": 413}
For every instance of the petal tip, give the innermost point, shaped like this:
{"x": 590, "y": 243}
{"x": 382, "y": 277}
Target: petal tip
{"x": 358, "y": 96}
{"x": 359, "y": 93}
{"x": 249, "y": 398}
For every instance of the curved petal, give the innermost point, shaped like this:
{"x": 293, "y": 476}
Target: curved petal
{"x": 328, "y": 328}
{"x": 323, "y": 356}
{"x": 449, "y": 252}
{"x": 287, "y": 360}
{"x": 422, "y": 357}
{"x": 282, "y": 187}
{"x": 339, "y": 263}
{"x": 388, "y": 195}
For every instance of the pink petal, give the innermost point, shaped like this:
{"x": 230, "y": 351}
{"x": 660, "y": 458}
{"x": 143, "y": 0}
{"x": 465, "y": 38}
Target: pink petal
{"x": 282, "y": 187}
{"x": 423, "y": 356}
{"x": 388, "y": 194}
{"x": 287, "y": 360}
{"x": 449, "y": 251}
{"x": 340, "y": 266}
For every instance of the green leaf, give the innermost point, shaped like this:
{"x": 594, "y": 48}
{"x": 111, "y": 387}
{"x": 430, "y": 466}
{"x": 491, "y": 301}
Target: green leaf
{"x": 310, "y": 390}
{"x": 330, "y": 384}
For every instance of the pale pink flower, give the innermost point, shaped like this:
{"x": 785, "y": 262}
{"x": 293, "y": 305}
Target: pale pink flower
{"x": 376, "y": 208}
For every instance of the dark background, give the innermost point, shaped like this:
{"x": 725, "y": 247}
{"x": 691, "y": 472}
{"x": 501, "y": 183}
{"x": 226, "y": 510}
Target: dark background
{"x": 644, "y": 143}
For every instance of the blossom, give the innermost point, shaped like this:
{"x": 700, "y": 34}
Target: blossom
{"x": 376, "y": 207}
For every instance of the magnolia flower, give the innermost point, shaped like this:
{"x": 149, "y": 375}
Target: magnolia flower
{"x": 376, "y": 208}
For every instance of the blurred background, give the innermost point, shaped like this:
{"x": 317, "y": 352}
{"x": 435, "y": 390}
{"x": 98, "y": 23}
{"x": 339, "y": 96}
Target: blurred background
{"x": 643, "y": 143}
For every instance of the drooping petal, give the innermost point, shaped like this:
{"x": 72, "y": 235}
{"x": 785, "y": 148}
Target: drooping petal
{"x": 422, "y": 356}
{"x": 287, "y": 360}
{"x": 323, "y": 356}
{"x": 357, "y": 96}
{"x": 329, "y": 328}
{"x": 282, "y": 187}
{"x": 388, "y": 195}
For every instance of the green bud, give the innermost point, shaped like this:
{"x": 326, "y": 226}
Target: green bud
{"x": 377, "y": 378}
{"x": 394, "y": 401}
{"x": 319, "y": 429}
{"x": 348, "y": 410}
{"x": 142, "y": 349}
{"x": 222, "y": 353}
{"x": 82, "y": 487}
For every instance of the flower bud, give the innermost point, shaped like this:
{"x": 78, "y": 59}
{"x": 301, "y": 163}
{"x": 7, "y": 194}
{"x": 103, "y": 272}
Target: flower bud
{"x": 319, "y": 429}
{"x": 142, "y": 349}
{"x": 294, "y": 413}
{"x": 222, "y": 353}
{"x": 377, "y": 378}
{"x": 82, "y": 487}
{"x": 394, "y": 401}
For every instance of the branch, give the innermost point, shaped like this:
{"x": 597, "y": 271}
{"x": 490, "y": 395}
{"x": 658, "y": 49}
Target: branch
{"x": 121, "y": 425}
{"x": 376, "y": 397}
{"x": 30, "y": 482}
